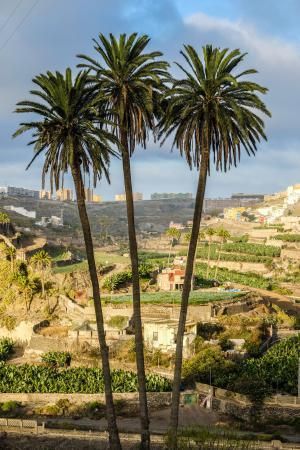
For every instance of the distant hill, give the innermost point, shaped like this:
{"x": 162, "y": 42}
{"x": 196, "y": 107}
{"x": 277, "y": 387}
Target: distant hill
{"x": 151, "y": 215}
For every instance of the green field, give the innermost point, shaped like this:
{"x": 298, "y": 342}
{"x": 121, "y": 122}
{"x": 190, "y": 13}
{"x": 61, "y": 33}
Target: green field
{"x": 101, "y": 258}
{"x": 196, "y": 297}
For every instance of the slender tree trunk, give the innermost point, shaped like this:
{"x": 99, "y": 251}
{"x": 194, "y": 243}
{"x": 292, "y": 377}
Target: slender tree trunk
{"x": 170, "y": 252}
{"x": 218, "y": 261}
{"x": 208, "y": 256}
{"x": 185, "y": 297}
{"x": 138, "y": 331}
{"x": 114, "y": 441}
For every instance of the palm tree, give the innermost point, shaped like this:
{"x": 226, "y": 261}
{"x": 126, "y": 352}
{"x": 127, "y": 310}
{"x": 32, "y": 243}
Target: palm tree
{"x": 130, "y": 85}
{"x": 210, "y": 111}
{"x": 224, "y": 235}
{"x": 70, "y": 133}
{"x": 174, "y": 234}
{"x": 210, "y": 232}
{"x": 11, "y": 255}
{"x": 41, "y": 261}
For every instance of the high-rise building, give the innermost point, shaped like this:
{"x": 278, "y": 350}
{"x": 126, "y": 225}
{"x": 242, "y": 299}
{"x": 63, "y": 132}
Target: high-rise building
{"x": 45, "y": 195}
{"x": 137, "y": 196}
{"x": 97, "y": 198}
{"x": 64, "y": 195}
{"x": 88, "y": 195}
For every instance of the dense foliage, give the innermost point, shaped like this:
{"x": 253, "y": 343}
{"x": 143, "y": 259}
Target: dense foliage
{"x": 275, "y": 371}
{"x": 6, "y": 348}
{"x": 30, "y": 378}
{"x": 278, "y": 366}
{"x": 57, "y": 359}
{"x": 229, "y": 255}
{"x": 4, "y": 218}
{"x": 252, "y": 249}
{"x": 287, "y": 237}
{"x": 164, "y": 298}
{"x": 117, "y": 280}
{"x": 225, "y": 275}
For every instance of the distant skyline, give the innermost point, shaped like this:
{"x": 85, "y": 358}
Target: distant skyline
{"x": 47, "y": 35}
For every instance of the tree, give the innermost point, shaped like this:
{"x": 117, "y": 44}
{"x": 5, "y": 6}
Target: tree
{"x": 212, "y": 110}
{"x": 10, "y": 252}
{"x": 174, "y": 234}
{"x": 71, "y": 133}
{"x": 41, "y": 261}
{"x": 130, "y": 85}
{"x": 224, "y": 235}
{"x": 210, "y": 232}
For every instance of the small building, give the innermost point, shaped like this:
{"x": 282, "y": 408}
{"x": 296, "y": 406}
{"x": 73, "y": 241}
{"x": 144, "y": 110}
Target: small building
{"x": 234, "y": 213}
{"x": 171, "y": 279}
{"x": 160, "y": 334}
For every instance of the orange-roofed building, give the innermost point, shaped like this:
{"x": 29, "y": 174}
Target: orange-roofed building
{"x": 171, "y": 279}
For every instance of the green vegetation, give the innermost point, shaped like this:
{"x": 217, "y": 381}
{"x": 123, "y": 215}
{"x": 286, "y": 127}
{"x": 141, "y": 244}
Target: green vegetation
{"x": 212, "y": 438}
{"x": 252, "y": 249}
{"x": 120, "y": 279}
{"x": 287, "y": 237}
{"x": 225, "y": 255}
{"x": 196, "y": 297}
{"x": 6, "y": 348}
{"x": 276, "y": 370}
{"x": 4, "y": 218}
{"x": 57, "y": 359}
{"x": 29, "y": 378}
{"x": 225, "y": 275}
{"x": 278, "y": 366}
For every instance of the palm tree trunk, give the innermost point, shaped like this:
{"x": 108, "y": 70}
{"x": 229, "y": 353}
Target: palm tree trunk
{"x": 138, "y": 331}
{"x": 170, "y": 252}
{"x": 218, "y": 261}
{"x": 208, "y": 256}
{"x": 185, "y": 297}
{"x": 114, "y": 440}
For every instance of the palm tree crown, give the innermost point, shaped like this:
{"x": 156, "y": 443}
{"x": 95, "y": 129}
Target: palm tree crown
{"x": 213, "y": 109}
{"x": 131, "y": 82}
{"x": 70, "y": 129}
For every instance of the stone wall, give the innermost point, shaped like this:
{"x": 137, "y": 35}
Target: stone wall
{"x": 238, "y": 405}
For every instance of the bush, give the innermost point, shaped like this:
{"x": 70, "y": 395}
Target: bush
{"x": 118, "y": 322}
{"x": 57, "y": 359}
{"x": 9, "y": 406}
{"x": 6, "y": 348}
{"x": 29, "y": 379}
{"x": 287, "y": 237}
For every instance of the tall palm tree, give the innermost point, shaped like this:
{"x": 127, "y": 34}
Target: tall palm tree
{"x": 224, "y": 235}
{"x": 210, "y": 232}
{"x": 174, "y": 234}
{"x": 41, "y": 261}
{"x": 130, "y": 83}
{"x": 70, "y": 133}
{"x": 212, "y": 110}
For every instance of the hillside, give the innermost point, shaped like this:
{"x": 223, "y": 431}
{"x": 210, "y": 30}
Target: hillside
{"x": 151, "y": 215}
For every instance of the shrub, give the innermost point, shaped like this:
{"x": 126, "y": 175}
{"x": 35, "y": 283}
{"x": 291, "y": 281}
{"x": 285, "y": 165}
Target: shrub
{"x": 57, "y": 359}
{"x": 287, "y": 237}
{"x": 9, "y": 406}
{"x": 6, "y": 348}
{"x": 29, "y": 379}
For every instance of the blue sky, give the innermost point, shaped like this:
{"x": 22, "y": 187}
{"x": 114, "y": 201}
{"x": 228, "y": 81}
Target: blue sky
{"x": 56, "y": 30}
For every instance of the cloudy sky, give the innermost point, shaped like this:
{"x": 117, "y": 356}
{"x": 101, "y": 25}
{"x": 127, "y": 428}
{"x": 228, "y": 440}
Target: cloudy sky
{"x": 47, "y": 34}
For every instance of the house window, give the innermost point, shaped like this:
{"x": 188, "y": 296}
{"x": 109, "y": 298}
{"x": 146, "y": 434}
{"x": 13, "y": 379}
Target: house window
{"x": 155, "y": 336}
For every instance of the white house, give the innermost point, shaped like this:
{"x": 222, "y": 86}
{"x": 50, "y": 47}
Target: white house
{"x": 160, "y": 334}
